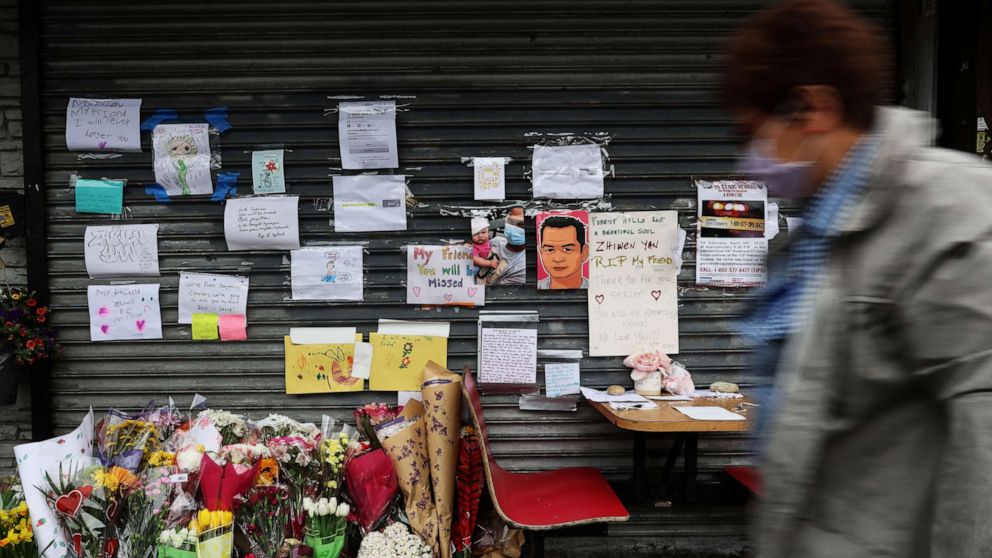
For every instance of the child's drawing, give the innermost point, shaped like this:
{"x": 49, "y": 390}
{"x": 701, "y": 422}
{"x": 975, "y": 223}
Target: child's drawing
{"x": 182, "y": 158}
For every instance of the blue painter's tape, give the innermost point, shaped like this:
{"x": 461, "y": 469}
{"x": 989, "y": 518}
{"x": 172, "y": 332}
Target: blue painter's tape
{"x": 217, "y": 117}
{"x": 158, "y": 192}
{"x": 227, "y": 186}
{"x": 158, "y": 117}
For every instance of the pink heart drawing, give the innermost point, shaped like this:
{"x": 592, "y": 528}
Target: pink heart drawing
{"x": 656, "y": 294}
{"x": 105, "y": 328}
{"x": 103, "y": 311}
{"x": 599, "y": 299}
{"x": 416, "y": 291}
{"x": 103, "y": 145}
{"x": 140, "y": 324}
{"x": 472, "y": 291}
{"x": 448, "y": 297}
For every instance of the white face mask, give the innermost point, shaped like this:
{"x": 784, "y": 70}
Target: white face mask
{"x": 784, "y": 180}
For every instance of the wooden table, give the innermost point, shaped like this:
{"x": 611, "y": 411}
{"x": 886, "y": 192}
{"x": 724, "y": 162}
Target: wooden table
{"x": 665, "y": 419}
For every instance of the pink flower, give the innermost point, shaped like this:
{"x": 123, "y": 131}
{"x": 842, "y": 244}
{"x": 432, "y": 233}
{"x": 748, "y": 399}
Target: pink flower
{"x": 678, "y": 381}
{"x": 646, "y": 362}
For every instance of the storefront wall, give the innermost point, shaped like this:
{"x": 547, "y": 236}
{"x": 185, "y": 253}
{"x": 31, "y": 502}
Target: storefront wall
{"x": 474, "y": 79}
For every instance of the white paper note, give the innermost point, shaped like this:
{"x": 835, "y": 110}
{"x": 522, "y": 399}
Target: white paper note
{"x": 327, "y": 273}
{"x": 442, "y": 275}
{"x": 490, "y": 178}
{"x": 568, "y": 172}
{"x": 182, "y": 158}
{"x": 508, "y": 356}
{"x": 734, "y": 221}
{"x": 121, "y": 250}
{"x": 322, "y": 335}
{"x": 362, "y": 366}
{"x": 211, "y": 293}
{"x": 401, "y": 327}
{"x": 369, "y": 203}
{"x": 633, "y": 301}
{"x": 103, "y": 125}
{"x": 404, "y": 397}
{"x": 124, "y": 312}
{"x": 367, "y": 135}
{"x": 561, "y": 378}
{"x": 771, "y": 226}
{"x": 64, "y": 454}
{"x": 709, "y": 413}
{"x": 269, "y": 223}
{"x": 598, "y": 396}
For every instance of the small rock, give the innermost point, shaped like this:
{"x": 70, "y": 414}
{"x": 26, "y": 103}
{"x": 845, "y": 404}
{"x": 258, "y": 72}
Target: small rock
{"x": 724, "y": 387}
{"x": 615, "y": 390}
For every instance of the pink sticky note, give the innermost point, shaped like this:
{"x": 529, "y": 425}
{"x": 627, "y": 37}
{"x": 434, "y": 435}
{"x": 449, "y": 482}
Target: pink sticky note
{"x": 232, "y": 327}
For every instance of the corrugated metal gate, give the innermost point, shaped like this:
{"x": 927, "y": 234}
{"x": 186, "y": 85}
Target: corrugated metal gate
{"x": 478, "y": 78}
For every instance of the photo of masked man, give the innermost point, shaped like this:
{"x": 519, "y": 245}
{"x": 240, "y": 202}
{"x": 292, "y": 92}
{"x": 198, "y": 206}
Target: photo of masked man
{"x": 563, "y": 250}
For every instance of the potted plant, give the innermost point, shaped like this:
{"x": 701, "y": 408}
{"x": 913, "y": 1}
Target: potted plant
{"x": 26, "y": 335}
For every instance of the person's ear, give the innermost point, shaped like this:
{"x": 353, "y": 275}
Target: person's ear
{"x": 585, "y": 252}
{"x": 822, "y": 108}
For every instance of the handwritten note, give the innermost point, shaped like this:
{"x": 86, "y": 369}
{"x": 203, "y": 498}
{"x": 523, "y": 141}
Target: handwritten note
{"x": 182, "y": 158}
{"x": 103, "y": 125}
{"x": 204, "y": 327}
{"x": 270, "y": 223}
{"x": 632, "y": 283}
{"x": 369, "y": 202}
{"x": 442, "y": 275}
{"x": 327, "y": 273}
{"x": 267, "y": 172}
{"x": 561, "y": 378}
{"x": 233, "y": 327}
{"x": 490, "y": 178}
{"x": 508, "y": 356}
{"x": 99, "y": 196}
{"x": 398, "y": 361}
{"x": 211, "y": 293}
{"x": 121, "y": 250}
{"x": 367, "y": 135}
{"x": 124, "y": 312}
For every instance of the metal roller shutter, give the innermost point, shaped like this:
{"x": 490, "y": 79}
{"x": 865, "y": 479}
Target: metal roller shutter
{"x": 478, "y": 78}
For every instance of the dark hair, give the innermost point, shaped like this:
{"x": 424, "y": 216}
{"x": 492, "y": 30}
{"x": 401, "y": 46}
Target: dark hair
{"x": 563, "y": 222}
{"x": 807, "y": 42}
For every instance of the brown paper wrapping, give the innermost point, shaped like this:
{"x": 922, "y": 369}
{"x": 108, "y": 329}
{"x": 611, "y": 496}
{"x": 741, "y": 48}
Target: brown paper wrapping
{"x": 408, "y": 451}
{"x": 412, "y": 410}
{"x": 442, "y": 404}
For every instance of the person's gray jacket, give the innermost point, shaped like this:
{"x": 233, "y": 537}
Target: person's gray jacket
{"x": 882, "y": 444}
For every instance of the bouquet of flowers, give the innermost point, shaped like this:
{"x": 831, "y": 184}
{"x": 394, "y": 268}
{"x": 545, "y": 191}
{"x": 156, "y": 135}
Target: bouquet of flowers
{"x": 276, "y": 425}
{"x": 395, "y": 541}
{"x": 233, "y": 428}
{"x": 214, "y": 533}
{"x": 86, "y": 507}
{"x": 332, "y": 455}
{"x": 326, "y": 525}
{"x": 263, "y": 514}
{"x": 124, "y": 440}
{"x": 24, "y": 322}
{"x": 147, "y": 509}
{"x": 15, "y": 525}
{"x": 300, "y": 469}
{"x": 177, "y": 543}
{"x": 369, "y": 416}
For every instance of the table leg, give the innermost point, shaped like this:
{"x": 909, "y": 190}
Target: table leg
{"x": 673, "y": 454}
{"x": 640, "y": 467}
{"x": 691, "y": 455}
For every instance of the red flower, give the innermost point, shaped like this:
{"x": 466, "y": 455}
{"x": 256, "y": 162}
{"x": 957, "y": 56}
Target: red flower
{"x": 41, "y": 319}
{"x": 9, "y": 324}
{"x": 30, "y": 344}
{"x": 32, "y": 302}
{"x": 41, "y": 311}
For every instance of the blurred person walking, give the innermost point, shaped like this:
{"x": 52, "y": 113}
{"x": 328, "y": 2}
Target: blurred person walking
{"x": 877, "y": 318}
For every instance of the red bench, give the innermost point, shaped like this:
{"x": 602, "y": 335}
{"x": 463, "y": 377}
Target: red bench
{"x": 544, "y": 500}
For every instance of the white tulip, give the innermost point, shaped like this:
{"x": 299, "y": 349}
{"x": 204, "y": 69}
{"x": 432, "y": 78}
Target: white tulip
{"x": 322, "y": 508}
{"x": 343, "y": 510}
{"x": 333, "y": 504}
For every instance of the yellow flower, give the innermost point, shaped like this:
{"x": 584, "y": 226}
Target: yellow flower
{"x": 16, "y": 296}
{"x": 114, "y": 479}
{"x": 162, "y": 459}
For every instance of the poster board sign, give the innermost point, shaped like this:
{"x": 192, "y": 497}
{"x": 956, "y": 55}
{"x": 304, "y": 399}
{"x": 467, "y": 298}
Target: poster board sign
{"x": 633, "y": 299}
{"x": 731, "y": 247}
{"x": 442, "y": 275}
{"x": 562, "y": 250}
{"x": 103, "y": 125}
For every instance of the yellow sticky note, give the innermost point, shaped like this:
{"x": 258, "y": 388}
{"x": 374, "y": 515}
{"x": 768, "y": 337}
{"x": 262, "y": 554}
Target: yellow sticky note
{"x": 205, "y": 327}
{"x": 398, "y": 361}
{"x": 321, "y": 368}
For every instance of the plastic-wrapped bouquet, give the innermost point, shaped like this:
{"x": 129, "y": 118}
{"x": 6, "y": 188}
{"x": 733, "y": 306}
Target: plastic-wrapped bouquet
{"x": 395, "y": 541}
{"x": 177, "y": 543}
{"x": 262, "y": 515}
{"x": 233, "y": 428}
{"x": 327, "y": 521}
{"x": 15, "y": 526}
{"x": 369, "y": 416}
{"x": 125, "y": 440}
